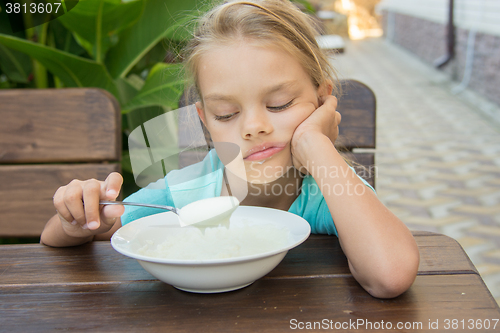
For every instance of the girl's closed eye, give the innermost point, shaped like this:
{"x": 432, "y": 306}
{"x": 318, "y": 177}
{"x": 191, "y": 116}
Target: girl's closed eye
{"x": 225, "y": 117}
{"x": 281, "y": 107}
{"x": 228, "y": 116}
{"x": 223, "y": 111}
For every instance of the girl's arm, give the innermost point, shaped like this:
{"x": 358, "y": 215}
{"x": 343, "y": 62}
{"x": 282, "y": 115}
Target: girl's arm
{"x": 382, "y": 253}
{"x": 54, "y": 234}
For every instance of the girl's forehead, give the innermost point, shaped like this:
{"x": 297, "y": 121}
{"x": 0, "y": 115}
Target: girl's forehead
{"x": 248, "y": 63}
{"x": 241, "y": 44}
{"x": 237, "y": 45}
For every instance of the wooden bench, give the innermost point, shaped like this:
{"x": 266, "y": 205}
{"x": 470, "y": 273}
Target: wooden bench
{"x": 49, "y": 137}
{"x": 357, "y": 129}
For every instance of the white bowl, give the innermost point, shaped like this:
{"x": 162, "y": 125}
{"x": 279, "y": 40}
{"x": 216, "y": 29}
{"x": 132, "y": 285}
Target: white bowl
{"x": 214, "y": 275}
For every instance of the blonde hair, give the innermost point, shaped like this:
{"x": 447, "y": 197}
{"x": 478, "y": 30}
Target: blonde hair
{"x": 274, "y": 22}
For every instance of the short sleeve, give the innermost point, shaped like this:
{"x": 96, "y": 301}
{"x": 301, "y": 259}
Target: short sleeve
{"x": 312, "y": 206}
{"x": 156, "y": 193}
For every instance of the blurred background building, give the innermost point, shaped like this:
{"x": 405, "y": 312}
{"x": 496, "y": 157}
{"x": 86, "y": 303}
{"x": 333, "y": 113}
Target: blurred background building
{"x": 355, "y": 19}
{"x": 459, "y": 37}
{"x": 473, "y": 48}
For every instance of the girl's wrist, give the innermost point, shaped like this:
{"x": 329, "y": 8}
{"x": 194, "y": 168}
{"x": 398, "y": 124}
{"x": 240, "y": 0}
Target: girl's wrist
{"x": 310, "y": 146}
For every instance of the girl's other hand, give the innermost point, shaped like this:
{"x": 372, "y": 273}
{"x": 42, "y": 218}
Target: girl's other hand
{"x": 78, "y": 208}
{"x": 324, "y": 120}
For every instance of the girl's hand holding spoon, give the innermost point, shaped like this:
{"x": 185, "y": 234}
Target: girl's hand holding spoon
{"x": 78, "y": 208}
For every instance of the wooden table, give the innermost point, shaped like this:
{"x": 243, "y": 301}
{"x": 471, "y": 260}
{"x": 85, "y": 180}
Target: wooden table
{"x": 94, "y": 288}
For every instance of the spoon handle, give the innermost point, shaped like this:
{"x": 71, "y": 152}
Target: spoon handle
{"x": 172, "y": 209}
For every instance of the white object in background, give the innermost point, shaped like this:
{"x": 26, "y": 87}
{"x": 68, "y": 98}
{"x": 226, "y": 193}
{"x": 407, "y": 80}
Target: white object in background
{"x": 326, "y": 14}
{"x": 330, "y": 42}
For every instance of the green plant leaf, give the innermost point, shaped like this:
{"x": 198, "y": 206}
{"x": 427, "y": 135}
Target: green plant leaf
{"x": 14, "y": 64}
{"x": 158, "y": 21}
{"x": 135, "y": 81}
{"x": 164, "y": 86}
{"x": 307, "y": 5}
{"x": 128, "y": 87}
{"x": 152, "y": 57}
{"x": 64, "y": 39}
{"x": 4, "y": 82}
{"x": 74, "y": 71}
{"x": 97, "y": 22}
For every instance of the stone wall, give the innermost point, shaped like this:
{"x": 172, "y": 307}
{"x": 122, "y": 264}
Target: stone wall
{"x": 427, "y": 40}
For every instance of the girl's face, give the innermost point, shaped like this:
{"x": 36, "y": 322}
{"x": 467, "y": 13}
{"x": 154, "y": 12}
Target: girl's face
{"x": 255, "y": 96}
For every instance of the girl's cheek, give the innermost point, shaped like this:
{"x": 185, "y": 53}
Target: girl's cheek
{"x": 223, "y": 134}
{"x": 303, "y": 111}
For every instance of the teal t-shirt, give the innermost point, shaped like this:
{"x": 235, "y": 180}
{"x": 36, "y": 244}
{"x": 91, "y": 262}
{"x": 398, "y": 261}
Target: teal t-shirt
{"x": 204, "y": 180}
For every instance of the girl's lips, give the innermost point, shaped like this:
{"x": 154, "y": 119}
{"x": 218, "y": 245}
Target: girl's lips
{"x": 263, "y": 153}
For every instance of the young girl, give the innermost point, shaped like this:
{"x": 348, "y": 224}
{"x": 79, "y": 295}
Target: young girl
{"x": 265, "y": 86}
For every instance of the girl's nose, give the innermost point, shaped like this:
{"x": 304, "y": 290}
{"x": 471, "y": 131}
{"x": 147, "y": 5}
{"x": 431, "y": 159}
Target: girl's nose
{"x": 255, "y": 123}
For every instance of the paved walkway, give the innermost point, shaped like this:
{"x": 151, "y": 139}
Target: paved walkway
{"x": 438, "y": 157}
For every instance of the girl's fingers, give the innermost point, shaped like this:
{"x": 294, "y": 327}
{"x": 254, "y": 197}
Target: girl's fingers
{"x": 328, "y": 106}
{"x": 110, "y": 213}
{"x": 328, "y": 100}
{"x": 110, "y": 190}
{"x": 91, "y": 194}
{"x": 60, "y": 205}
{"x": 112, "y": 185}
{"x": 329, "y": 103}
{"x": 73, "y": 200}
{"x": 78, "y": 202}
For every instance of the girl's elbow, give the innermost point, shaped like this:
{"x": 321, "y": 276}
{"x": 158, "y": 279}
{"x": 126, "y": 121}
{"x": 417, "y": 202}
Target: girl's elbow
{"x": 395, "y": 282}
{"x": 391, "y": 289}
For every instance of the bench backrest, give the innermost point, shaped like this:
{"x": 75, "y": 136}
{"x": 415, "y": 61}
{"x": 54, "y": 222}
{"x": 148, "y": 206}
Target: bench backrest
{"x": 357, "y": 130}
{"x": 47, "y": 138}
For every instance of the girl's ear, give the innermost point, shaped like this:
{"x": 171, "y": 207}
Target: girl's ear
{"x": 201, "y": 112}
{"x": 325, "y": 88}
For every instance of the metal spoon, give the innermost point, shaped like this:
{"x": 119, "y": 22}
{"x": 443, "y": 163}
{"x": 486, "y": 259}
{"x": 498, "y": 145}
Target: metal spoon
{"x": 124, "y": 203}
{"x": 190, "y": 214}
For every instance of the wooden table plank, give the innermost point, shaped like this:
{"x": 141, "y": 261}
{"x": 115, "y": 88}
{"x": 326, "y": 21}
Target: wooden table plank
{"x": 267, "y": 305}
{"x": 92, "y": 287}
{"x": 98, "y": 262}
{"x": 441, "y": 254}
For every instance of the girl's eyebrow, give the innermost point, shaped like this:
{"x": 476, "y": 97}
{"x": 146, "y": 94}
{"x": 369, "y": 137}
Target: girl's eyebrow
{"x": 280, "y": 86}
{"x": 217, "y": 97}
{"x": 267, "y": 91}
